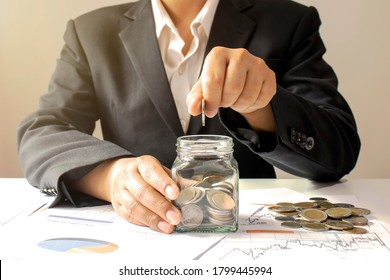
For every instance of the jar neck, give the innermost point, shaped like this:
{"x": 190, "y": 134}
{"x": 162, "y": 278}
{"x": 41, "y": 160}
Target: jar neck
{"x": 205, "y": 146}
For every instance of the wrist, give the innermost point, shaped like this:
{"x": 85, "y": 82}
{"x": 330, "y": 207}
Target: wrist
{"x": 262, "y": 119}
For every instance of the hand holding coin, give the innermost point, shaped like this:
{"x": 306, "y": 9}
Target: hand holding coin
{"x": 236, "y": 79}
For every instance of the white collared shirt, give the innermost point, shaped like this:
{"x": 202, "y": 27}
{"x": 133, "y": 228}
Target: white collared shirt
{"x": 183, "y": 71}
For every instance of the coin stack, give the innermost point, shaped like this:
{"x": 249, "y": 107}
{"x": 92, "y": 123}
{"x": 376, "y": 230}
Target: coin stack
{"x": 319, "y": 214}
{"x": 207, "y": 203}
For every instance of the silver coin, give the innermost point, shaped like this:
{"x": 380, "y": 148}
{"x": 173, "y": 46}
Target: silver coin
{"x": 213, "y": 179}
{"x": 185, "y": 196}
{"x": 220, "y": 200}
{"x": 203, "y": 112}
{"x": 192, "y": 215}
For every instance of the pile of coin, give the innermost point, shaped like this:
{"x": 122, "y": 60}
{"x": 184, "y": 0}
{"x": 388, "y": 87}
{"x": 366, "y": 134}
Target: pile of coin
{"x": 207, "y": 203}
{"x": 319, "y": 214}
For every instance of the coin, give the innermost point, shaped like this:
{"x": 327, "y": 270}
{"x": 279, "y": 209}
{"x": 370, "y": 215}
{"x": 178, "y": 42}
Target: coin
{"x": 360, "y": 211}
{"x": 338, "y": 212}
{"x": 289, "y": 214}
{"x": 203, "y": 112}
{"x": 192, "y": 215}
{"x": 185, "y": 196}
{"x": 285, "y": 204}
{"x": 224, "y": 186}
{"x": 212, "y": 179}
{"x": 339, "y": 225}
{"x": 344, "y": 205}
{"x": 284, "y": 218}
{"x": 319, "y": 214}
{"x": 325, "y": 205}
{"x": 313, "y": 215}
{"x": 357, "y": 220}
{"x": 315, "y": 226}
{"x": 293, "y": 224}
{"x": 318, "y": 199}
{"x": 282, "y": 209}
{"x": 305, "y": 204}
{"x": 356, "y": 230}
{"x": 220, "y": 200}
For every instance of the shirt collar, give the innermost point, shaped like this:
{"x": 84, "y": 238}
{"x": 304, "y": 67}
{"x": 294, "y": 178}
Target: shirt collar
{"x": 204, "y": 18}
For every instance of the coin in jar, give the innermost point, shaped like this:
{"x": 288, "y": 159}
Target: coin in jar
{"x": 192, "y": 215}
{"x": 220, "y": 200}
{"x": 185, "y": 196}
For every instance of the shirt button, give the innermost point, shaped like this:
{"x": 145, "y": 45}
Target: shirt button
{"x": 181, "y": 69}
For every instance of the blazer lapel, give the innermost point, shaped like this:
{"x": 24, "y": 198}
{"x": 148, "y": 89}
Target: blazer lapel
{"x": 141, "y": 45}
{"x": 231, "y": 29}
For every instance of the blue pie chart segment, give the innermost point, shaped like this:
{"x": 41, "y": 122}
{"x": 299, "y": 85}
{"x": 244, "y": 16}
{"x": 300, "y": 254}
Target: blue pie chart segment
{"x": 78, "y": 245}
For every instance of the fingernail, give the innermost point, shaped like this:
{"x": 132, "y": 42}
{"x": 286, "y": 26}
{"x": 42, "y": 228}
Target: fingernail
{"x": 164, "y": 226}
{"x": 173, "y": 217}
{"x": 171, "y": 191}
{"x": 211, "y": 114}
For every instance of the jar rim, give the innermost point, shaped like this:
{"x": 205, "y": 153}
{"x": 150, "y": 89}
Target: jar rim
{"x": 206, "y": 142}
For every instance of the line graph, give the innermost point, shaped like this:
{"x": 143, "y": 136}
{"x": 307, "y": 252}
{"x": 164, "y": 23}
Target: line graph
{"x": 339, "y": 245}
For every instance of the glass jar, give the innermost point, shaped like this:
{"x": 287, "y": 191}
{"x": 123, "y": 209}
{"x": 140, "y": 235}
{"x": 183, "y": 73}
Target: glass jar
{"x": 207, "y": 175}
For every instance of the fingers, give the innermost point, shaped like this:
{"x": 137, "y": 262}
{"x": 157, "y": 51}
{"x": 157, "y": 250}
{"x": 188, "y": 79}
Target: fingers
{"x": 232, "y": 78}
{"x": 155, "y": 175}
{"x": 140, "y": 194}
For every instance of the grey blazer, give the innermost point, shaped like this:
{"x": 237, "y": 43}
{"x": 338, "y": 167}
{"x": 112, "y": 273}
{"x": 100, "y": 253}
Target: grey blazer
{"x": 110, "y": 69}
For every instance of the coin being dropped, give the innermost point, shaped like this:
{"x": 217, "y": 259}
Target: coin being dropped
{"x": 192, "y": 215}
{"x": 313, "y": 215}
{"x": 203, "y": 112}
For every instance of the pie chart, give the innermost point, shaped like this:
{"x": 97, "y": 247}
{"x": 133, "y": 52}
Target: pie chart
{"x": 78, "y": 245}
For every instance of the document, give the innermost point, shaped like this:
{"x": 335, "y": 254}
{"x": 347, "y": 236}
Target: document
{"x": 62, "y": 232}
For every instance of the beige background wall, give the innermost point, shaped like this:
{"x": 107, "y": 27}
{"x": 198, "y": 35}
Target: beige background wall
{"x": 356, "y": 33}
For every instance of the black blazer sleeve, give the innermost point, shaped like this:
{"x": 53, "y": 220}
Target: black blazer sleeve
{"x": 316, "y": 132}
